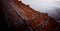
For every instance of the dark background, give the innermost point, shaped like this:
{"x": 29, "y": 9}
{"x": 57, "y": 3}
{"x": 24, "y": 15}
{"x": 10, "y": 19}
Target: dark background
{"x": 3, "y": 23}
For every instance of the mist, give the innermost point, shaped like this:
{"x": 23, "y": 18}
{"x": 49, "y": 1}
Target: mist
{"x": 52, "y": 7}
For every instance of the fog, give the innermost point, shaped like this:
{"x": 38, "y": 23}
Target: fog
{"x": 52, "y": 7}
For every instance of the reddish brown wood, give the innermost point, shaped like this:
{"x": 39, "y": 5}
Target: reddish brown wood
{"x": 21, "y": 17}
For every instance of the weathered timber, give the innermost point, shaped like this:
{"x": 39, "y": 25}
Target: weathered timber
{"x": 21, "y": 17}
